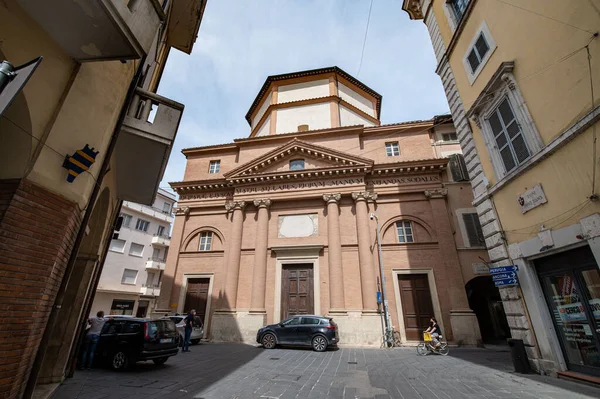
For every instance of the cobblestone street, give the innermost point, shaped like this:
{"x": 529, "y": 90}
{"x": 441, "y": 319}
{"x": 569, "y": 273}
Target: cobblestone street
{"x": 242, "y": 371}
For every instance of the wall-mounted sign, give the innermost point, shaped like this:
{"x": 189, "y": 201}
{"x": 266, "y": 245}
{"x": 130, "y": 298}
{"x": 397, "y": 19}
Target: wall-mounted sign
{"x": 532, "y": 198}
{"x": 504, "y": 276}
{"x": 79, "y": 162}
{"x": 480, "y": 268}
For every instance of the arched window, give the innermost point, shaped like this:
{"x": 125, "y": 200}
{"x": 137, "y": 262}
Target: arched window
{"x": 297, "y": 164}
{"x": 206, "y": 240}
{"x": 404, "y": 231}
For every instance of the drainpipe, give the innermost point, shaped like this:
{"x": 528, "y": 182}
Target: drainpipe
{"x": 39, "y": 359}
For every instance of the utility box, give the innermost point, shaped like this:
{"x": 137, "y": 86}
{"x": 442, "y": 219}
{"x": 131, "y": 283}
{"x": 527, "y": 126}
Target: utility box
{"x": 519, "y": 356}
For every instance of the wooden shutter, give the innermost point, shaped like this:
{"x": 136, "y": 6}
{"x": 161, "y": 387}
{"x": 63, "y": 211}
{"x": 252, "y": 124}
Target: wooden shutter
{"x": 474, "y": 232}
{"x": 458, "y": 168}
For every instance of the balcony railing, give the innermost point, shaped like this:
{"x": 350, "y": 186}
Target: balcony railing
{"x": 161, "y": 241}
{"x": 155, "y": 263}
{"x": 150, "y": 290}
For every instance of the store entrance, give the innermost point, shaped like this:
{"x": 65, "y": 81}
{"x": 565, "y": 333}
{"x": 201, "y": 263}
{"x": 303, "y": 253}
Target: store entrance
{"x": 571, "y": 284}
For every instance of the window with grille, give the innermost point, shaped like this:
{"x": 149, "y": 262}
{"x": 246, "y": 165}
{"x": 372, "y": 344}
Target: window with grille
{"x": 214, "y": 166}
{"x": 297, "y": 164}
{"x": 117, "y": 245}
{"x": 458, "y": 8}
{"x": 142, "y": 225}
{"x": 405, "y": 232}
{"x": 126, "y": 220}
{"x": 478, "y": 52}
{"x": 508, "y": 137}
{"x": 474, "y": 232}
{"x": 392, "y": 149}
{"x": 206, "y": 240}
{"x": 129, "y": 276}
{"x": 136, "y": 249}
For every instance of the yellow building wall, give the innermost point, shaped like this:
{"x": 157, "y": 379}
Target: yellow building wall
{"x": 551, "y": 71}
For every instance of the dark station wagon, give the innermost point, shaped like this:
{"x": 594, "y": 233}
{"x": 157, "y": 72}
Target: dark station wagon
{"x": 319, "y": 332}
{"x": 125, "y": 341}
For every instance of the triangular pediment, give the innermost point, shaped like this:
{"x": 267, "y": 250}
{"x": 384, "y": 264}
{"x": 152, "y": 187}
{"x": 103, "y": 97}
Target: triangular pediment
{"x": 317, "y": 158}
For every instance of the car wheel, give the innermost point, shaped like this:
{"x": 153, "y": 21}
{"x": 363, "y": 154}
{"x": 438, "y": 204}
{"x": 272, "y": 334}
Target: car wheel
{"x": 268, "y": 341}
{"x": 160, "y": 360}
{"x": 120, "y": 361}
{"x": 195, "y": 341}
{"x": 319, "y": 343}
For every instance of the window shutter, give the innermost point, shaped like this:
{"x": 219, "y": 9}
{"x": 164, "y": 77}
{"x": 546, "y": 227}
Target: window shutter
{"x": 458, "y": 168}
{"x": 474, "y": 232}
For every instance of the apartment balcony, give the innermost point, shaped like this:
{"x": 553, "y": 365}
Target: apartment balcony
{"x": 150, "y": 290}
{"x": 144, "y": 145}
{"x": 101, "y": 29}
{"x": 155, "y": 264}
{"x": 161, "y": 241}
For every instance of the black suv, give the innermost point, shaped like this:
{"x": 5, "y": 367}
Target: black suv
{"x": 124, "y": 341}
{"x": 307, "y": 330}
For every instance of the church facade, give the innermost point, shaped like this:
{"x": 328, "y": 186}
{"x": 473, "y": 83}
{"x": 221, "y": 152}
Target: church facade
{"x": 284, "y": 222}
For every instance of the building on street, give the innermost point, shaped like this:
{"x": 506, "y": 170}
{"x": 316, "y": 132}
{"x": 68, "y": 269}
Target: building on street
{"x": 131, "y": 276}
{"x": 278, "y": 223}
{"x": 79, "y": 116}
{"x": 522, "y": 83}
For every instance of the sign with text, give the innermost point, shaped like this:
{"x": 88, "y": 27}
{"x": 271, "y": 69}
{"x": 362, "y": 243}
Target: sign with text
{"x": 405, "y": 180}
{"x": 480, "y": 268}
{"x": 213, "y": 195}
{"x": 532, "y": 198}
{"x": 503, "y": 269}
{"x": 291, "y": 186}
{"x": 506, "y": 282}
{"x": 503, "y": 276}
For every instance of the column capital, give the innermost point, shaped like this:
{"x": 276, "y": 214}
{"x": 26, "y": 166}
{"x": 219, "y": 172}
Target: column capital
{"x": 262, "y": 203}
{"x": 233, "y": 205}
{"x": 364, "y": 196}
{"x": 436, "y": 193}
{"x": 182, "y": 211}
{"x": 332, "y": 197}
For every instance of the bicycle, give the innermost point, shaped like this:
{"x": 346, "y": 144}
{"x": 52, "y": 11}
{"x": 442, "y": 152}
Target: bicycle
{"x": 425, "y": 348}
{"x": 391, "y": 339}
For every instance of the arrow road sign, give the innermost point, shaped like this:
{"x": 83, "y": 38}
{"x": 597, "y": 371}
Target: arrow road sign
{"x": 503, "y": 269}
{"x": 504, "y": 276}
{"x": 506, "y": 282}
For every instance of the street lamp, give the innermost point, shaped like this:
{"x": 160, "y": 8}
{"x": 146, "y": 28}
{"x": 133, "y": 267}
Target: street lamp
{"x": 386, "y": 313}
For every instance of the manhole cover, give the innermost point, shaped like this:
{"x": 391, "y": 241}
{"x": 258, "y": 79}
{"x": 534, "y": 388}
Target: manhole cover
{"x": 352, "y": 362}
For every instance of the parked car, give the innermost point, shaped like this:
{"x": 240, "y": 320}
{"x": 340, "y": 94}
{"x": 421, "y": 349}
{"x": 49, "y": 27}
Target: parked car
{"x": 305, "y": 330}
{"x": 127, "y": 340}
{"x": 197, "y": 330}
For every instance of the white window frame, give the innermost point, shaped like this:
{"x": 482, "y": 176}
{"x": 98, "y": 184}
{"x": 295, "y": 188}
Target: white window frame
{"x": 411, "y": 235}
{"x": 451, "y": 15}
{"x": 508, "y": 89}
{"x": 140, "y": 220}
{"x": 391, "y": 152}
{"x": 166, "y": 207}
{"x": 114, "y": 250}
{"x": 214, "y": 166}
{"x": 132, "y": 254}
{"x": 449, "y": 141}
{"x": 134, "y": 279}
{"x": 160, "y": 231}
{"x": 126, "y": 220}
{"x": 483, "y": 29}
{"x": 205, "y": 242}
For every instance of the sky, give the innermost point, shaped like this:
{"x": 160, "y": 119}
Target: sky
{"x": 241, "y": 42}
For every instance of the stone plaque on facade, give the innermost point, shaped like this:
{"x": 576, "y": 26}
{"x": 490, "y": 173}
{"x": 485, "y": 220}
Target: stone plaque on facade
{"x": 296, "y": 226}
{"x": 532, "y": 198}
{"x": 480, "y": 268}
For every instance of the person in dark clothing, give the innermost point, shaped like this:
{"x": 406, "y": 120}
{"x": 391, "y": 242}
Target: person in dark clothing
{"x": 189, "y": 325}
{"x": 435, "y": 331}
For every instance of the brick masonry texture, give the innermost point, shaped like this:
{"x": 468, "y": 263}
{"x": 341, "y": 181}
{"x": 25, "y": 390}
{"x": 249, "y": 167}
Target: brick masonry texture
{"x": 221, "y": 371}
{"x": 37, "y": 234}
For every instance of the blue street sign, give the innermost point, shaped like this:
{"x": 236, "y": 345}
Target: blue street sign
{"x": 503, "y": 269}
{"x": 506, "y": 282}
{"x": 503, "y": 276}
{"x": 379, "y": 297}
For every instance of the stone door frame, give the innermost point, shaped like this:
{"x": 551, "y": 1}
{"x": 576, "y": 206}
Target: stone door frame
{"x": 437, "y": 309}
{"x": 183, "y": 292}
{"x": 300, "y": 254}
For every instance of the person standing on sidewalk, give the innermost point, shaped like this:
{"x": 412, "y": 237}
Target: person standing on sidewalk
{"x": 189, "y": 326}
{"x": 91, "y": 340}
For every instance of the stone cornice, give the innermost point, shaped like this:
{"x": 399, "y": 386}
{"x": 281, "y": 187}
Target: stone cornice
{"x": 413, "y": 8}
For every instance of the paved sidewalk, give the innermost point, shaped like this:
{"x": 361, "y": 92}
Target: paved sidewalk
{"x": 213, "y": 371}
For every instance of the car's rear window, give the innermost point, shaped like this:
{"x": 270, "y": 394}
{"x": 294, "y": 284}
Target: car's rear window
{"x": 176, "y": 319}
{"x": 169, "y": 326}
